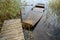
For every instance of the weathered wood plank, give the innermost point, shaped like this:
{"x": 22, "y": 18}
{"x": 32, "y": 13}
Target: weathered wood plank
{"x": 33, "y": 17}
{"x": 12, "y": 30}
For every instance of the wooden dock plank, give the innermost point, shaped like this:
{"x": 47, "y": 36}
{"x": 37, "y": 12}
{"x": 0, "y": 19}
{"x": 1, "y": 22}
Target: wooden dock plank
{"x": 33, "y": 17}
{"x": 12, "y": 30}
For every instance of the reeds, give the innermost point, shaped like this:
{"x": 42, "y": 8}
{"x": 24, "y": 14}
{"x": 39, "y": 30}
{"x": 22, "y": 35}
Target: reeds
{"x": 9, "y": 9}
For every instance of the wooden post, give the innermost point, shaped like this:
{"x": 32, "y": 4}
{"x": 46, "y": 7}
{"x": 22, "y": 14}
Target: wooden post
{"x": 21, "y": 16}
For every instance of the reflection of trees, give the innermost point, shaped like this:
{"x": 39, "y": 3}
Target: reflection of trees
{"x": 53, "y": 15}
